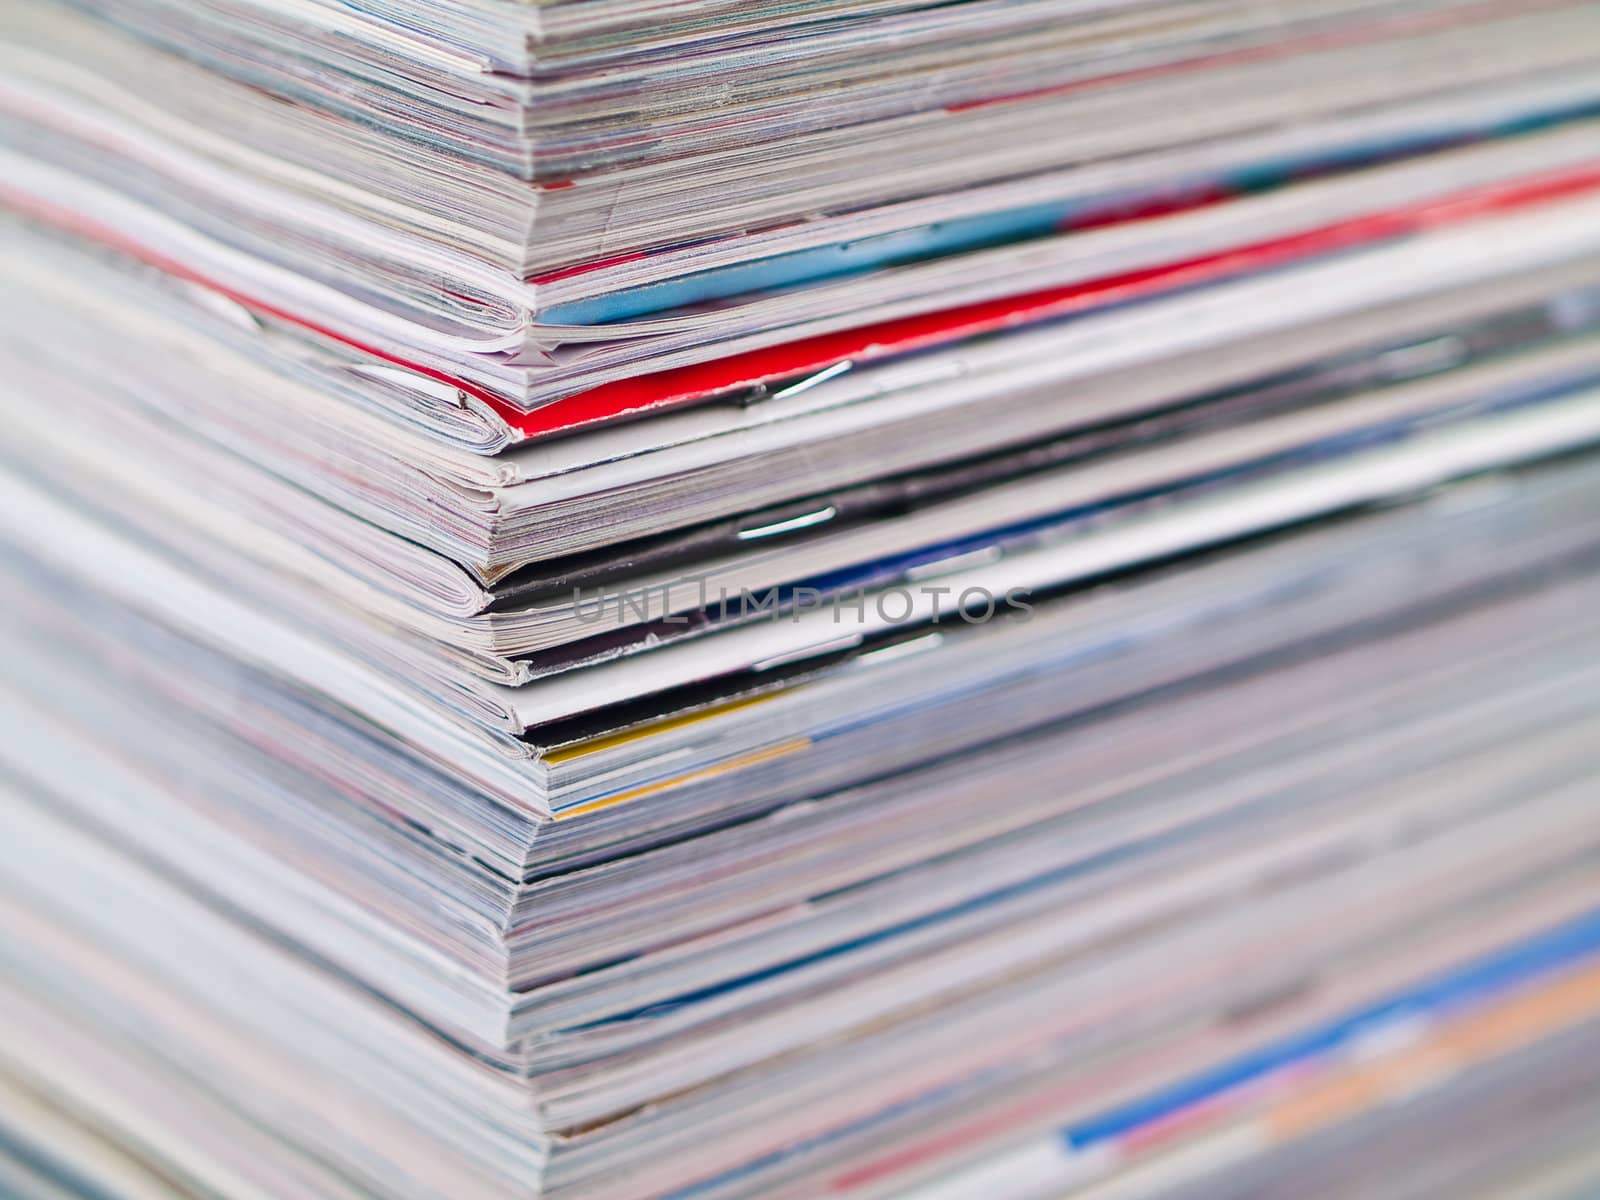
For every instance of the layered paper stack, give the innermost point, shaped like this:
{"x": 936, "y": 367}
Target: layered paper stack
{"x": 610, "y": 599}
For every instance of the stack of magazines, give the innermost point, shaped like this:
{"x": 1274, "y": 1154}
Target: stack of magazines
{"x": 615, "y": 599}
